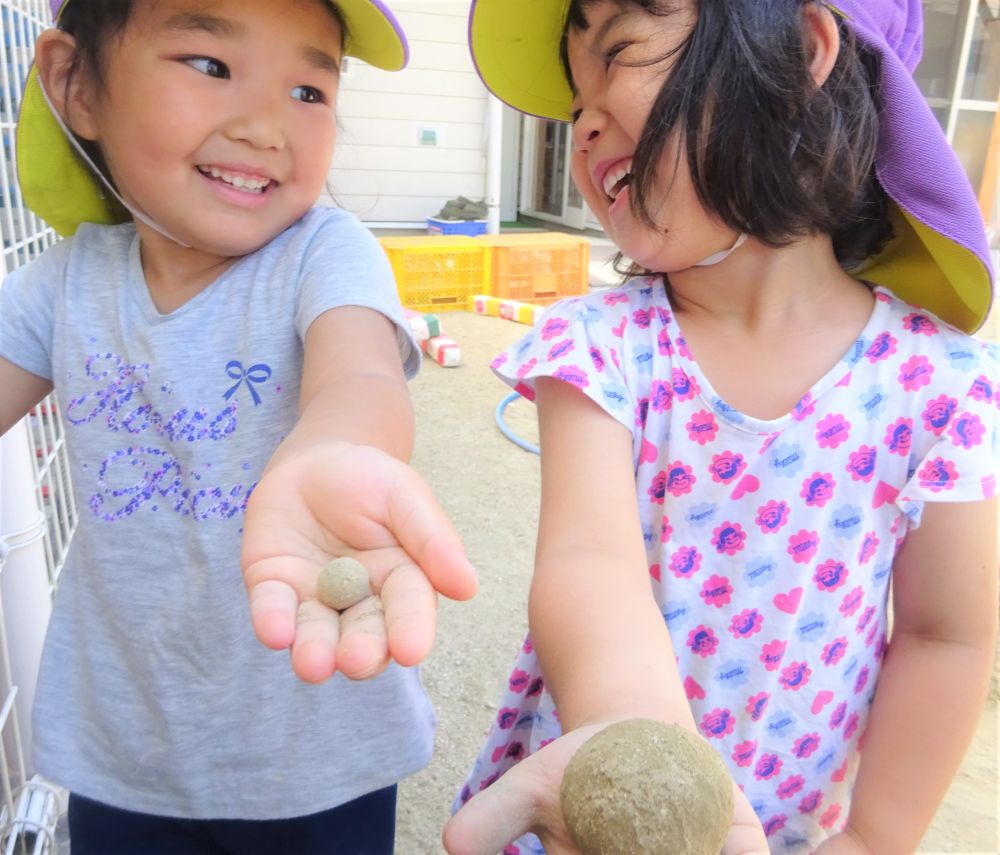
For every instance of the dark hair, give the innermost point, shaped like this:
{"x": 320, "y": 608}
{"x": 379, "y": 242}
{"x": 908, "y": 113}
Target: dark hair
{"x": 770, "y": 153}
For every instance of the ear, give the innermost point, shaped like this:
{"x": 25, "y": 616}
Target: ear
{"x": 822, "y": 40}
{"x": 71, "y": 95}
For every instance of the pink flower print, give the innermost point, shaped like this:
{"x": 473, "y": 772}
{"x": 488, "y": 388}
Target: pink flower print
{"x": 702, "y": 641}
{"x": 729, "y": 538}
{"x": 865, "y": 619}
{"x": 726, "y": 467}
{"x": 666, "y": 529}
{"x": 743, "y": 753}
{"x": 466, "y": 794}
{"x": 772, "y": 653}
{"x": 685, "y": 562}
{"x": 915, "y": 373}
{"x": 489, "y": 782}
{"x": 795, "y": 676}
{"x": 869, "y": 546}
{"x": 757, "y": 704}
{"x": 717, "y": 591}
{"x": 832, "y": 430}
{"x": 883, "y": 346}
{"x": 614, "y": 298}
{"x": 663, "y": 343}
{"x": 654, "y": 572}
{"x": 817, "y": 489}
{"x": 898, "y": 437}
{"x": 685, "y": 387}
{"x": 500, "y": 361}
{"x": 641, "y": 318}
{"x": 982, "y": 389}
{"x": 525, "y": 369}
{"x": 768, "y": 765}
{"x": 553, "y": 328}
{"x": 527, "y": 647}
{"x": 920, "y": 324}
{"x": 805, "y": 746}
{"x": 938, "y": 413}
{"x": 938, "y": 475}
{"x": 851, "y": 726}
{"x": 837, "y": 716}
{"x": 773, "y": 825}
{"x": 678, "y": 479}
{"x": 772, "y": 516}
{"x": 663, "y": 314}
{"x": 834, "y": 651}
{"x": 682, "y": 347}
{"x": 830, "y": 816}
{"x": 597, "y": 358}
{"x": 830, "y": 575}
{"x": 535, "y": 688}
{"x": 519, "y": 679}
{"x": 862, "y": 680}
{"x": 572, "y": 374}
{"x": 966, "y": 430}
{"x": 811, "y": 802}
{"x": 661, "y": 396}
{"x": 702, "y": 428}
{"x": 561, "y": 349}
{"x": 790, "y": 786}
{"x": 507, "y": 716}
{"x": 658, "y": 488}
{"x": 804, "y": 408}
{"x": 802, "y": 546}
{"x": 852, "y": 601}
{"x": 641, "y": 414}
{"x": 861, "y": 463}
{"x": 748, "y": 622}
{"x": 718, "y": 723}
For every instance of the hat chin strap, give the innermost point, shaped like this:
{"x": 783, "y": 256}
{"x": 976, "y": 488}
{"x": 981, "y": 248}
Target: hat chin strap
{"x": 723, "y": 254}
{"x": 135, "y": 210}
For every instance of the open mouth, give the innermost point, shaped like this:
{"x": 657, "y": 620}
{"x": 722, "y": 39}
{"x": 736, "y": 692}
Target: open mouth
{"x": 252, "y": 184}
{"x": 617, "y": 179}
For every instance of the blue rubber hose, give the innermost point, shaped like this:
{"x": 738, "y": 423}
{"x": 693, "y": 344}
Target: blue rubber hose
{"x": 506, "y": 431}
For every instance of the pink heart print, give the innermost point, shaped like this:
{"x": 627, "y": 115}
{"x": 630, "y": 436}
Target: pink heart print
{"x": 620, "y": 329}
{"x": 821, "y": 700}
{"x": 649, "y": 452}
{"x": 693, "y": 690}
{"x": 789, "y": 603}
{"x": 747, "y": 484}
{"x": 884, "y": 493}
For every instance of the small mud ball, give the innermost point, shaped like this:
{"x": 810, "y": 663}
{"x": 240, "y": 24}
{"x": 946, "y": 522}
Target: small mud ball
{"x": 342, "y": 583}
{"x": 643, "y": 787}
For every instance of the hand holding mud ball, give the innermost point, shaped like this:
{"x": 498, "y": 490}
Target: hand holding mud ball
{"x": 642, "y": 787}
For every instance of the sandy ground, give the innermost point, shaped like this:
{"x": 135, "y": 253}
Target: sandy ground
{"x": 490, "y": 487}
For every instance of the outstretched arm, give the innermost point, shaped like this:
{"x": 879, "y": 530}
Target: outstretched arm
{"x": 339, "y": 485}
{"x": 601, "y": 641}
{"x": 934, "y": 680}
{"x": 21, "y": 391}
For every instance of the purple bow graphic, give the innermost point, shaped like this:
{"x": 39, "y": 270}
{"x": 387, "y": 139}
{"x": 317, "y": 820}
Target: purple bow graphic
{"x": 259, "y": 373}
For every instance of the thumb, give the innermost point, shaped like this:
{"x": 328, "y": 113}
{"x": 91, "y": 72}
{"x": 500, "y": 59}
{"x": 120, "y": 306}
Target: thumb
{"x": 423, "y": 529}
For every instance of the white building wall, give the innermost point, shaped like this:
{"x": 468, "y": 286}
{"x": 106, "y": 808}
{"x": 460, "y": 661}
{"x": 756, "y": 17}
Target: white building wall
{"x": 381, "y": 171}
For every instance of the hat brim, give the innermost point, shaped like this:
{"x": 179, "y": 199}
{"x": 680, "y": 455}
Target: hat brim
{"x": 61, "y": 189}
{"x": 939, "y": 258}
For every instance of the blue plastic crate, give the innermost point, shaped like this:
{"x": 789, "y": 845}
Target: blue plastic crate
{"x": 456, "y": 227}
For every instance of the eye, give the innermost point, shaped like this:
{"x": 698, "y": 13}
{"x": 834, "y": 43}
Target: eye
{"x": 308, "y": 95}
{"x": 611, "y": 54}
{"x": 574, "y": 117}
{"x": 209, "y": 66}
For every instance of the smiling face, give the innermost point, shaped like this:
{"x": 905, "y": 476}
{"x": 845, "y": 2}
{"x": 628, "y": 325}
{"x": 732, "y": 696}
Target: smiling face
{"x": 619, "y": 63}
{"x": 217, "y": 118}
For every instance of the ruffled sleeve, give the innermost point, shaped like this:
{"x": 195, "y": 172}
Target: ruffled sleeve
{"x": 963, "y": 462}
{"x": 580, "y": 342}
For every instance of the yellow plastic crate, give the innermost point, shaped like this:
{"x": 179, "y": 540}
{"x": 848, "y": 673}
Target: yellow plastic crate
{"x": 539, "y": 267}
{"x": 438, "y": 273}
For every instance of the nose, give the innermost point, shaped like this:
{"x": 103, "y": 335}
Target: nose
{"x": 258, "y": 119}
{"x": 588, "y": 128}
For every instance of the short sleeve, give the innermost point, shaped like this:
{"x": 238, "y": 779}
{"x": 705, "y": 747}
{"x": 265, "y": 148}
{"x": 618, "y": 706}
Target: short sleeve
{"x": 27, "y": 312}
{"x": 574, "y": 341}
{"x": 344, "y": 265}
{"x": 962, "y": 464}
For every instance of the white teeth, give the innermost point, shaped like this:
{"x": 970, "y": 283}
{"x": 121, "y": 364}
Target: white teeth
{"x": 247, "y": 185}
{"x": 615, "y": 178}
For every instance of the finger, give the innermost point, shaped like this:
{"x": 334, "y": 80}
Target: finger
{"x": 273, "y": 605}
{"x": 363, "y": 651}
{"x": 410, "y": 614}
{"x": 426, "y": 533}
{"x": 314, "y": 652}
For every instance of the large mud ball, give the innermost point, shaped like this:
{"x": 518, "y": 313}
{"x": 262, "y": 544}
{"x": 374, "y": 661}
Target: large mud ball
{"x": 643, "y": 787}
{"x": 342, "y": 583}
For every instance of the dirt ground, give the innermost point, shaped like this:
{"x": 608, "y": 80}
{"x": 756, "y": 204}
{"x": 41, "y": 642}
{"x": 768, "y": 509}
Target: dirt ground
{"x": 490, "y": 487}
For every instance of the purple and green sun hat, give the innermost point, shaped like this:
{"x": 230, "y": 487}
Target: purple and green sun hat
{"x": 939, "y": 258}
{"x": 59, "y": 187}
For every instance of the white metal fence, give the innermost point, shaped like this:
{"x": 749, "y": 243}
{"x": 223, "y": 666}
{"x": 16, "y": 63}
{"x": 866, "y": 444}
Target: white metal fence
{"x": 37, "y": 512}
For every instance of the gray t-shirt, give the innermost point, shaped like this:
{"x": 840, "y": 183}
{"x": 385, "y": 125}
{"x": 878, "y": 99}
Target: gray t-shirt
{"x": 154, "y": 695}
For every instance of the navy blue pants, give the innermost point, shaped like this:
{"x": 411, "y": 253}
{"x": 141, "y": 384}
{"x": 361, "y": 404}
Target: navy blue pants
{"x": 365, "y": 826}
